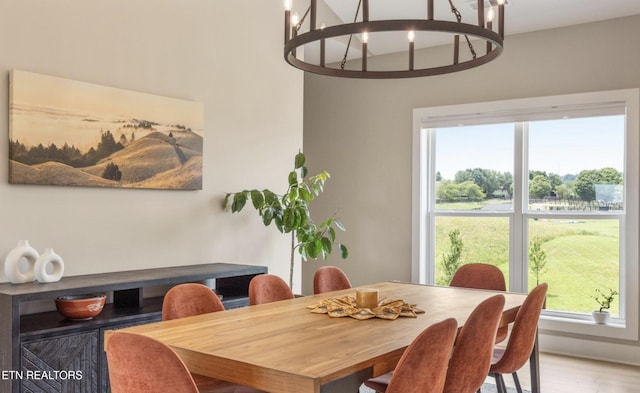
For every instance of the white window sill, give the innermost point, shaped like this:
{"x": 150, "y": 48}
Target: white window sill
{"x": 583, "y": 324}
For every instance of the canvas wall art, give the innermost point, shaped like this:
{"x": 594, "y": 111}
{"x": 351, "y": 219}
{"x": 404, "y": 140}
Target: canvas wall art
{"x": 71, "y": 133}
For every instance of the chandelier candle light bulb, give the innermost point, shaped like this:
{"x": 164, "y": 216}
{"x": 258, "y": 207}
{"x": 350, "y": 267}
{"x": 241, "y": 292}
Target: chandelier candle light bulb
{"x": 491, "y": 15}
{"x": 365, "y": 41}
{"x": 411, "y": 36}
{"x": 287, "y": 20}
{"x": 322, "y": 48}
{"x": 295, "y": 20}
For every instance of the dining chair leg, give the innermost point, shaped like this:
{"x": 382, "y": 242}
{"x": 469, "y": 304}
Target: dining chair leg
{"x": 516, "y": 381}
{"x": 500, "y": 385}
{"x": 534, "y": 366}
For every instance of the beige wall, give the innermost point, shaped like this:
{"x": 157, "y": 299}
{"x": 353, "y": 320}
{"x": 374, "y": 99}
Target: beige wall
{"x": 360, "y": 130}
{"x": 225, "y": 54}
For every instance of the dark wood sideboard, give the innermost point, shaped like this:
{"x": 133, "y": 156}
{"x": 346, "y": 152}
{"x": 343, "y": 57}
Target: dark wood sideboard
{"x": 42, "y": 352}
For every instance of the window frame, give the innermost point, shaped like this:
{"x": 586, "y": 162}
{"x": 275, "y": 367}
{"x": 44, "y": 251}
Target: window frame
{"x": 517, "y": 111}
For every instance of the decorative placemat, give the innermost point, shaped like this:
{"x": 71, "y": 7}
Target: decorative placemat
{"x": 346, "y": 306}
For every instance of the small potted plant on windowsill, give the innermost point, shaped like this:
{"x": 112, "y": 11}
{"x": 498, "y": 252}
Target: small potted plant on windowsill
{"x": 601, "y": 316}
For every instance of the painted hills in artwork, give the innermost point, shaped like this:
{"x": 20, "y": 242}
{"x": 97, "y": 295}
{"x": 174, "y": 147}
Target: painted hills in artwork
{"x": 156, "y": 161}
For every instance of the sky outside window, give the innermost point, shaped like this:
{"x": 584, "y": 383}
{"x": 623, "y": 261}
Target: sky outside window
{"x": 565, "y": 146}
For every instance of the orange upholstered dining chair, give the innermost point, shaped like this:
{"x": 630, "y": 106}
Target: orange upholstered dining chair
{"x": 479, "y": 276}
{"x": 471, "y": 358}
{"x": 267, "y": 288}
{"x": 330, "y": 278}
{"x": 423, "y": 365}
{"x": 482, "y": 276}
{"x": 185, "y": 300}
{"x": 141, "y": 364}
{"x": 473, "y": 350}
{"x": 510, "y": 359}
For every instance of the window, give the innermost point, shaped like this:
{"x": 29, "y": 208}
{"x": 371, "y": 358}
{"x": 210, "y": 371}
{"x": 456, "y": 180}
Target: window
{"x": 544, "y": 188}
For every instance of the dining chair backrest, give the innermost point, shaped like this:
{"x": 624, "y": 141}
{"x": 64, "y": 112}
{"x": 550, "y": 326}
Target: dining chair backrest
{"x": 267, "y": 288}
{"x": 523, "y": 333}
{"x": 142, "y": 364}
{"x": 330, "y": 278}
{"x": 479, "y": 276}
{"x": 423, "y": 365}
{"x": 185, "y": 300}
{"x": 473, "y": 349}
{"x": 482, "y": 276}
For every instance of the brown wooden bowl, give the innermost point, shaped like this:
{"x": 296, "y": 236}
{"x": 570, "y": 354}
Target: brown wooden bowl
{"x": 80, "y": 307}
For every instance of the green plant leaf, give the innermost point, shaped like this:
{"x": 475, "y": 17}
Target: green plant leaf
{"x": 314, "y": 248}
{"x": 303, "y": 253}
{"x": 267, "y": 216}
{"x": 239, "y": 200}
{"x": 315, "y": 189}
{"x": 269, "y": 197}
{"x": 303, "y": 172}
{"x": 304, "y": 217}
{"x": 289, "y": 219}
{"x": 326, "y": 224}
{"x": 225, "y": 203}
{"x": 257, "y": 199}
{"x": 298, "y": 219}
{"x": 293, "y": 178}
{"x": 321, "y": 177}
{"x": 344, "y": 253}
{"x": 304, "y": 194}
{"x": 293, "y": 194}
{"x": 339, "y": 225}
{"x": 332, "y": 234}
{"x": 279, "y": 222}
{"x": 299, "y": 160}
{"x": 326, "y": 245}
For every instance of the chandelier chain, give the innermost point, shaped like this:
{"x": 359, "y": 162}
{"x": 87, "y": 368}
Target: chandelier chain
{"x": 455, "y": 11}
{"x": 299, "y": 25}
{"x": 346, "y": 51}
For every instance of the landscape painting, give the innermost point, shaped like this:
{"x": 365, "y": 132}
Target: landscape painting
{"x": 70, "y": 133}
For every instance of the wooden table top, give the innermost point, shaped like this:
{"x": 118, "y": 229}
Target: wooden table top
{"x": 283, "y": 347}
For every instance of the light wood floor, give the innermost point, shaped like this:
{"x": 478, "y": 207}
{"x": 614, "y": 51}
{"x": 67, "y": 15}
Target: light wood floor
{"x": 564, "y": 374}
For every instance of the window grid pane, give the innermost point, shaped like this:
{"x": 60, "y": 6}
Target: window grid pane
{"x": 575, "y": 257}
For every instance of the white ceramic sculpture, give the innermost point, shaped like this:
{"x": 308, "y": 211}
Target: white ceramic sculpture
{"x": 22, "y": 253}
{"x": 49, "y": 266}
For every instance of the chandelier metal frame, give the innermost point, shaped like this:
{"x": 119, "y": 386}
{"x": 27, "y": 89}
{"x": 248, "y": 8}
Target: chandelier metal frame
{"x": 482, "y": 30}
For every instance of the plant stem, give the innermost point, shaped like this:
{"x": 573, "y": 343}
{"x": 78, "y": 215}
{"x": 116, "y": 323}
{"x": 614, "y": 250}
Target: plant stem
{"x": 293, "y": 244}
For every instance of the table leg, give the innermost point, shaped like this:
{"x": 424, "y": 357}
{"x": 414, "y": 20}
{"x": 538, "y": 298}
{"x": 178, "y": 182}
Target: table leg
{"x": 349, "y": 384}
{"x": 534, "y": 365}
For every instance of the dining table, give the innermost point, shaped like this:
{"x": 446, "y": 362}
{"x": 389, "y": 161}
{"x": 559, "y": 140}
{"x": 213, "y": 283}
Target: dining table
{"x": 283, "y": 347}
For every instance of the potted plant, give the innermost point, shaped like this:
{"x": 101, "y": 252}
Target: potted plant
{"x": 289, "y": 212}
{"x": 604, "y": 300}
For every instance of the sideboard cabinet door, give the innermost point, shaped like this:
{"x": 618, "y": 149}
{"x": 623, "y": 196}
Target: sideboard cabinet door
{"x": 63, "y": 364}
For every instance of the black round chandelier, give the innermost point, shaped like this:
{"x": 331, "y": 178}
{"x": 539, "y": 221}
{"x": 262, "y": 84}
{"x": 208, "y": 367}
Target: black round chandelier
{"x": 297, "y": 34}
